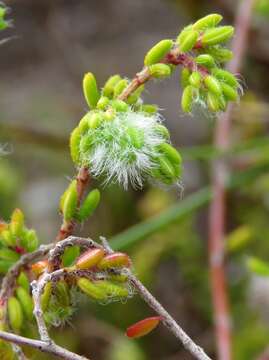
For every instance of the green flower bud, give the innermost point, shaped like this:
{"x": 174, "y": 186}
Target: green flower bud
{"x": 84, "y": 123}
{"x": 45, "y": 297}
{"x": 89, "y": 258}
{"x": 158, "y": 52}
{"x": 208, "y": 21}
{"x": 8, "y": 254}
{"x": 62, "y": 293}
{"x": 95, "y": 120}
{"x": 220, "y": 54}
{"x": 86, "y": 143}
{"x": 108, "y": 89}
{"x": 195, "y": 79}
{"x": 109, "y": 115}
{"x": 185, "y": 76}
{"x": 222, "y": 103}
{"x": 157, "y": 175}
{"x": 217, "y": 35}
{"x": 134, "y": 97}
{"x": 136, "y": 137}
{"x": 102, "y": 103}
{"x": 90, "y": 90}
{"x": 183, "y": 34}
{"x": 74, "y": 144}
{"x": 119, "y": 87}
{"x": 29, "y": 241}
{"x": 213, "y": 85}
{"x": 70, "y": 254}
{"x": 159, "y": 70}
{"x": 167, "y": 168}
{"x": 7, "y": 238}
{"x": 62, "y": 199}
{"x": 121, "y": 278}
{"x": 148, "y": 108}
{"x": 114, "y": 260}
{"x": 171, "y": 153}
{"x": 119, "y": 105}
{"x": 15, "y": 314}
{"x": 17, "y": 223}
{"x": 26, "y": 302}
{"x": 161, "y": 129}
{"x": 186, "y": 99}
{"x": 205, "y": 60}
{"x": 189, "y": 41}
{"x": 213, "y": 102}
{"x": 113, "y": 290}
{"x": 89, "y": 205}
{"x": 69, "y": 207}
{"x": 23, "y": 281}
{"x": 229, "y": 92}
{"x": 92, "y": 290}
{"x": 225, "y": 76}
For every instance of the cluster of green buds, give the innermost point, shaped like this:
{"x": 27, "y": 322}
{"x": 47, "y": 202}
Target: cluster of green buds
{"x": 106, "y": 282}
{"x": 20, "y": 306}
{"x": 123, "y": 141}
{"x": 69, "y": 203}
{"x": 15, "y": 239}
{"x": 94, "y": 273}
{"x": 202, "y": 78}
{"x": 199, "y": 49}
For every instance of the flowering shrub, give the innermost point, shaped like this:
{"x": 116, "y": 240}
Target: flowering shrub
{"x": 120, "y": 139}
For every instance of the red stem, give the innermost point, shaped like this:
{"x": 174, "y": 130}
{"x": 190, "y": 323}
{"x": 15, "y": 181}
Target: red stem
{"x": 217, "y": 211}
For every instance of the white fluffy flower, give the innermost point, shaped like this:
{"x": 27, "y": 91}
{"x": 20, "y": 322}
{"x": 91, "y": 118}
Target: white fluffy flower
{"x": 125, "y": 149}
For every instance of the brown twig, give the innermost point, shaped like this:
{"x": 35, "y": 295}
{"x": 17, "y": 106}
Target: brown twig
{"x": 49, "y": 348}
{"x": 217, "y": 211}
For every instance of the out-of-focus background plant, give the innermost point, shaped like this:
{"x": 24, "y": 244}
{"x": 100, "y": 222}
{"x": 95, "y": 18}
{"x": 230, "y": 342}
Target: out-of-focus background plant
{"x": 41, "y": 69}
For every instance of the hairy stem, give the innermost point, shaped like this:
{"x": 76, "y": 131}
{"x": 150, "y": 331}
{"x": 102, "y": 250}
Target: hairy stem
{"x": 217, "y": 211}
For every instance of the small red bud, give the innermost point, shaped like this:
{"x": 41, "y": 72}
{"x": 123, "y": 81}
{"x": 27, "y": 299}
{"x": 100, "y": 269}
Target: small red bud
{"x": 90, "y": 258}
{"x": 143, "y": 327}
{"x": 19, "y": 250}
{"x": 115, "y": 260}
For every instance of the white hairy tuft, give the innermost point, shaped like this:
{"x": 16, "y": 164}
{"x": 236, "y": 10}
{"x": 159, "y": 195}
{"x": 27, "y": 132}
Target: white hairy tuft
{"x": 114, "y": 155}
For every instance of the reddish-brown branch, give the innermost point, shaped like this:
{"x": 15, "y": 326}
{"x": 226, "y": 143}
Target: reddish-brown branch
{"x": 217, "y": 212}
{"x": 174, "y": 57}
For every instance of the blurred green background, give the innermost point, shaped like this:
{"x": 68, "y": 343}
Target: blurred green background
{"x": 55, "y": 42}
